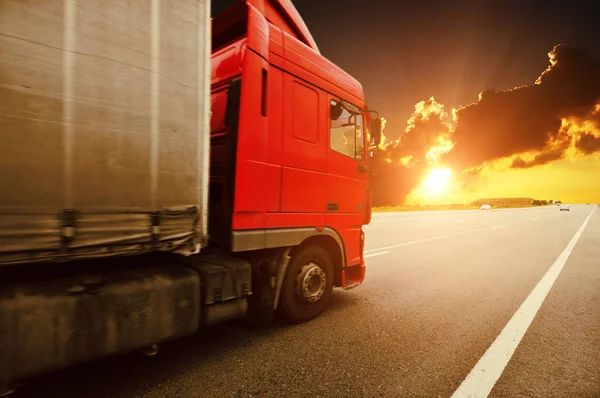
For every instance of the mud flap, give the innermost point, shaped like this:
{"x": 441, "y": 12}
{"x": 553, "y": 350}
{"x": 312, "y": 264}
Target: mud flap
{"x": 260, "y": 304}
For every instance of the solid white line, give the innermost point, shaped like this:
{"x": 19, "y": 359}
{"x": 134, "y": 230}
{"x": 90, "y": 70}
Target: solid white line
{"x": 427, "y": 239}
{"x": 395, "y": 219}
{"x": 482, "y": 378}
{"x": 379, "y": 215}
{"x": 498, "y": 227}
{"x": 375, "y": 254}
{"x": 427, "y": 216}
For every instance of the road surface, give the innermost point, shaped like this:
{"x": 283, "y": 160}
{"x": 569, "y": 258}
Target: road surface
{"x": 430, "y": 320}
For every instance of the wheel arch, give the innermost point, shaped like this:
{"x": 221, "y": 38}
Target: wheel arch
{"x": 333, "y": 246}
{"x": 290, "y": 240}
{"x": 289, "y": 237}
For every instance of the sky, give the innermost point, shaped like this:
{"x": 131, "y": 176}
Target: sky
{"x": 520, "y": 140}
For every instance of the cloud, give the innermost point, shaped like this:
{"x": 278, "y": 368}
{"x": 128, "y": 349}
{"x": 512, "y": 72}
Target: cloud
{"x": 588, "y": 143}
{"x": 528, "y": 118}
{"x": 529, "y": 126}
{"x": 425, "y": 135}
{"x": 401, "y": 164}
{"x": 540, "y": 159}
{"x": 554, "y": 150}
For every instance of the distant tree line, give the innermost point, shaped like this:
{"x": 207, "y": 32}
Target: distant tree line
{"x": 544, "y": 202}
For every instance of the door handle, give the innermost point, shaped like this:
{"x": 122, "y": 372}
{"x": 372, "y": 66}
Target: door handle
{"x": 362, "y": 168}
{"x": 333, "y": 206}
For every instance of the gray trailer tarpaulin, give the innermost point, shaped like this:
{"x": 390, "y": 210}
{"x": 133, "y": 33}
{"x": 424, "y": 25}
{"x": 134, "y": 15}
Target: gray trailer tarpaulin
{"x": 104, "y": 136}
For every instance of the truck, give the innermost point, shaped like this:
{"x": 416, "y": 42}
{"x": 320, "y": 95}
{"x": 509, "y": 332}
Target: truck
{"x": 162, "y": 171}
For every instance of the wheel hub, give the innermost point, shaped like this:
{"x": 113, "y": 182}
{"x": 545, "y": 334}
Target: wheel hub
{"x": 310, "y": 282}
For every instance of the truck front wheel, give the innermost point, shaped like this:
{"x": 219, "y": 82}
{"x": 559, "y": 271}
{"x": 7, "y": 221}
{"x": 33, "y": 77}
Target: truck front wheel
{"x": 307, "y": 285}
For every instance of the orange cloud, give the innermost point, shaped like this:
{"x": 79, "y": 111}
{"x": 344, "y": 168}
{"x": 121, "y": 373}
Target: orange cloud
{"x": 553, "y": 119}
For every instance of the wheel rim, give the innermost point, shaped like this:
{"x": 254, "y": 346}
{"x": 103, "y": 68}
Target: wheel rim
{"x": 310, "y": 283}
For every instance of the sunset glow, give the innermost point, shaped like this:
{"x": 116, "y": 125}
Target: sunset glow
{"x": 444, "y": 145}
{"x": 497, "y": 149}
{"x": 438, "y": 182}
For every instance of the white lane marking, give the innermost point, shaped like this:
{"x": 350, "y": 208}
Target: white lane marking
{"x": 482, "y": 378}
{"x": 385, "y": 217}
{"x": 427, "y": 216}
{"x": 380, "y": 215}
{"x": 423, "y": 217}
{"x": 375, "y": 254}
{"x": 427, "y": 239}
{"x": 442, "y": 236}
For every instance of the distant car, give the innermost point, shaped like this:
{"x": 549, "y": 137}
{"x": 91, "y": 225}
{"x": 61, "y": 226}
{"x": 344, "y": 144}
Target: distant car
{"x": 565, "y": 208}
{"x": 485, "y": 207}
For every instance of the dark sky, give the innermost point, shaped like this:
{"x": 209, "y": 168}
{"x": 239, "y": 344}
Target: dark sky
{"x": 407, "y": 51}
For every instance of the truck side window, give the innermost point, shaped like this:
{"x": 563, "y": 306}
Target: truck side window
{"x": 346, "y": 131}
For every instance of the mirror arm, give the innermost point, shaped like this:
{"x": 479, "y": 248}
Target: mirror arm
{"x": 371, "y": 111}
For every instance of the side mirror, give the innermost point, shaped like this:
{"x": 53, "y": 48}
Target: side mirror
{"x": 376, "y": 127}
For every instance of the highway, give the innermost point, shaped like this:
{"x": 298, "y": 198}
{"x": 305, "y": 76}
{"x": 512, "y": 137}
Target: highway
{"x": 455, "y": 303}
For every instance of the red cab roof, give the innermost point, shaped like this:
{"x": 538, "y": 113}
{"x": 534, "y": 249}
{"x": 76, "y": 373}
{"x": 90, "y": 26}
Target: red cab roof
{"x": 282, "y": 13}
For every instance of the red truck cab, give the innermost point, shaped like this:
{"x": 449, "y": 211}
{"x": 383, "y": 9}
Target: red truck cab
{"x": 288, "y": 140}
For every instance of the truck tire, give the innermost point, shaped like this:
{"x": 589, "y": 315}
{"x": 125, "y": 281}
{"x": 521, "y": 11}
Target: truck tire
{"x": 307, "y": 284}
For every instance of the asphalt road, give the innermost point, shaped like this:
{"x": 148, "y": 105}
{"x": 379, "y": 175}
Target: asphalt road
{"x": 440, "y": 289}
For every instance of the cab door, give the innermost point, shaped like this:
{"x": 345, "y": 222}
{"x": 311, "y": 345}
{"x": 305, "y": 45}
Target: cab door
{"x": 347, "y": 175}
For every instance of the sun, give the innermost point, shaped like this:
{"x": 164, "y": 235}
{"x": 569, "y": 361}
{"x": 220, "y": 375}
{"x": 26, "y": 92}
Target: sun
{"x": 438, "y": 182}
